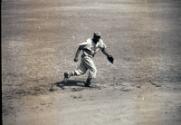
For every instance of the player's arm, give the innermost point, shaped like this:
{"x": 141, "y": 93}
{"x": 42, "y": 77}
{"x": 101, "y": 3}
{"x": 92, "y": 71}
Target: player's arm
{"x": 78, "y": 52}
{"x": 102, "y": 47}
{"x": 104, "y": 52}
{"x": 109, "y": 57}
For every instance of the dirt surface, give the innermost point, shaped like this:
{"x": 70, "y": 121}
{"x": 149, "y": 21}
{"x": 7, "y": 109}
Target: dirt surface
{"x": 39, "y": 41}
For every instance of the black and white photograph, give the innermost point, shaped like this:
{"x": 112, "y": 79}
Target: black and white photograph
{"x": 91, "y": 62}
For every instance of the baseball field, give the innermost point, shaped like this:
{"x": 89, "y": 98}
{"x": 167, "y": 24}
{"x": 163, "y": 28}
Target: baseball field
{"x": 39, "y": 41}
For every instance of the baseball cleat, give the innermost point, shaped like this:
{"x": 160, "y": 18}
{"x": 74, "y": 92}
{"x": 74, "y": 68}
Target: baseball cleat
{"x": 88, "y": 82}
{"x": 66, "y": 75}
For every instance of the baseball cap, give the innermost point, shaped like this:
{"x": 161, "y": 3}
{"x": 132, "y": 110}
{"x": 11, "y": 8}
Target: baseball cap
{"x": 97, "y": 34}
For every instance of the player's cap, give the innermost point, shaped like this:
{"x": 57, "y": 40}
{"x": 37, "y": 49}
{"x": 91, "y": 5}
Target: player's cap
{"x": 97, "y": 34}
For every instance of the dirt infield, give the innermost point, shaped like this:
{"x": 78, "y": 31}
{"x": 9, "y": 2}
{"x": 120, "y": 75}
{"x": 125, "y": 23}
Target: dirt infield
{"x": 39, "y": 41}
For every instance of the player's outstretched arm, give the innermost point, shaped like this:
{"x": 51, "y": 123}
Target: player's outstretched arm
{"x": 109, "y": 57}
{"x": 105, "y": 52}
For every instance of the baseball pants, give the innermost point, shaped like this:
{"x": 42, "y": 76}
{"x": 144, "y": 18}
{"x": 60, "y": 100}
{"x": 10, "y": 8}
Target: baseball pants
{"x": 86, "y": 64}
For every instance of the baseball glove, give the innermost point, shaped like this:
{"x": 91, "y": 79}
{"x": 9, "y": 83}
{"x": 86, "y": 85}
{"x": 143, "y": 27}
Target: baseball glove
{"x": 110, "y": 59}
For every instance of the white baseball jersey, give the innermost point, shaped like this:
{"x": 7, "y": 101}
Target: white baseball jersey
{"x": 90, "y": 48}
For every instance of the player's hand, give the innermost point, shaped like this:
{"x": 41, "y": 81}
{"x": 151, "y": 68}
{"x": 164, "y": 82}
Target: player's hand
{"x": 75, "y": 59}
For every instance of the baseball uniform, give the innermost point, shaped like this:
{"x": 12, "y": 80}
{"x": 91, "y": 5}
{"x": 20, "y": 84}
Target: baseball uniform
{"x": 89, "y": 49}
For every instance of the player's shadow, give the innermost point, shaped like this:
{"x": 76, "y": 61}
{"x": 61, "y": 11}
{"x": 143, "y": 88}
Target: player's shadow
{"x": 63, "y": 83}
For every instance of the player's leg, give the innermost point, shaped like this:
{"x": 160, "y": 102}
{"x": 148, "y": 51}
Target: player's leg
{"x": 81, "y": 69}
{"x": 89, "y": 63}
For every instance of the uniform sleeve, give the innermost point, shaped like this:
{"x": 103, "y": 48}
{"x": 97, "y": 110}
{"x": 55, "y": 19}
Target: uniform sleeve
{"x": 83, "y": 44}
{"x": 102, "y": 45}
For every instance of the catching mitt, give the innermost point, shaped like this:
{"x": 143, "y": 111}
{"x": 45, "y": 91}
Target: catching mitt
{"x": 110, "y": 59}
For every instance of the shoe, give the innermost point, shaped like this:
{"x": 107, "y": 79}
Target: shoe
{"x": 66, "y": 75}
{"x": 88, "y": 82}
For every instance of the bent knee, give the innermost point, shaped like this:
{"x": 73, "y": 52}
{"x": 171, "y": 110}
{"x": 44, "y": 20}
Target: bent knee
{"x": 79, "y": 72}
{"x": 94, "y": 70}
{"x": 93, "y": 73}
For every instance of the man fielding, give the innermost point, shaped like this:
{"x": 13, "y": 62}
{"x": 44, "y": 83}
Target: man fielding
{"x": 89, "y": 49}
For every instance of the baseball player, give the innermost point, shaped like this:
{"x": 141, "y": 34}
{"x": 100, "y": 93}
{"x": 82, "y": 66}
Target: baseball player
{"x": 89, "y": 48}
